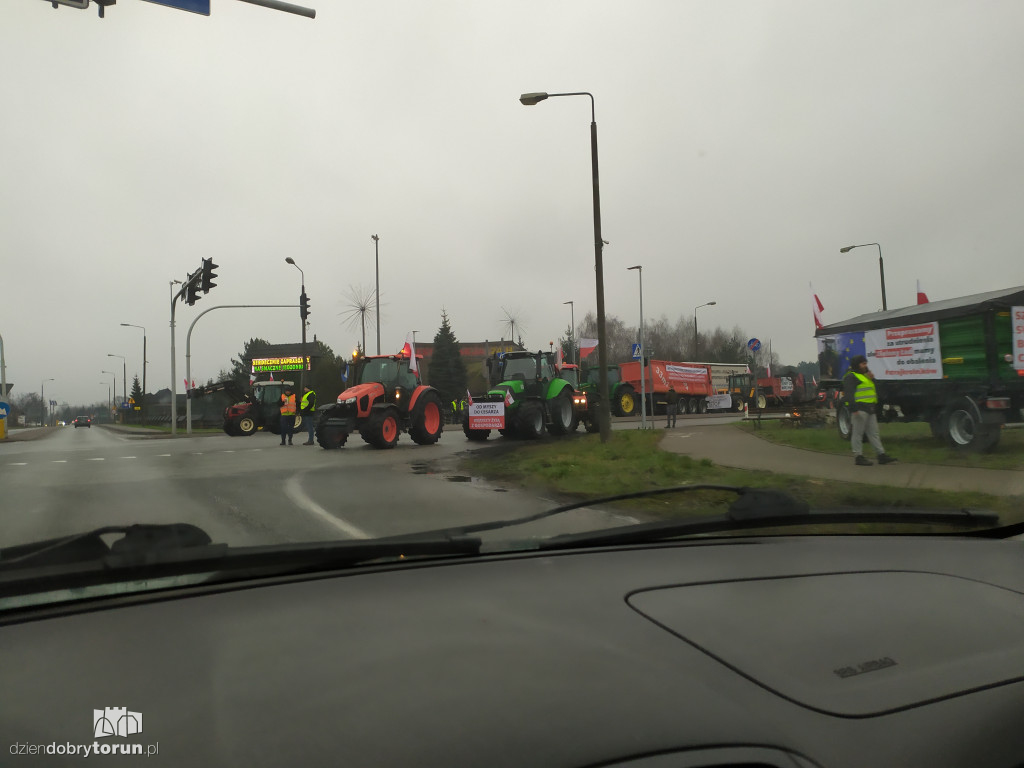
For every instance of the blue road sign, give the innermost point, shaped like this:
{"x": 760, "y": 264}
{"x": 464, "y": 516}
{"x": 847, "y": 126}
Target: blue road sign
{"x": 636, "y": 351}
{"x": 195, "y": 6}
{"x": 5, "y": 409}
{"x": 753, "y": 345}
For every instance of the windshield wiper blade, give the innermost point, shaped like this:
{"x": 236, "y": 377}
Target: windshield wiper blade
{"x": 152, "y": 552}
{"x": 649, "y": 532}
{"x": 752, "y": 501}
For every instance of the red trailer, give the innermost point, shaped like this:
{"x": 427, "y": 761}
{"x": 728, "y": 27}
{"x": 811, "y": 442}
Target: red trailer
{"x": 691, "y": 381}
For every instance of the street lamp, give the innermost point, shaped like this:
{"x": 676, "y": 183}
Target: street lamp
{"x": 376, "y": 287}
{"x": 174, "y": 375}
{"x": 604, "y": 411}
{"x": 643, "y": 354}
{"x": 302, "y": 277}
{"x": 124, "y": 377}
{"x": 572, "y": 329}
{"x": 108, "y": 393}
{"x": 881, "y": 267}
{"x": 42, "y": 399}
{"x": 696, "y": 339}
{"x": 142, "y": 405}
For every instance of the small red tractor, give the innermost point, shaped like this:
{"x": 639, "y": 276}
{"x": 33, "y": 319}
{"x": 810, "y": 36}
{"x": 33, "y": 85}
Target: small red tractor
{"x": 386, "y": 399}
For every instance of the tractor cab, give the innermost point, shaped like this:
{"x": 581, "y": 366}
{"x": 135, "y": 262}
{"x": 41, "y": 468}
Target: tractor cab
{"x": 535, "y": 371}
{"x": 391, "y": 373}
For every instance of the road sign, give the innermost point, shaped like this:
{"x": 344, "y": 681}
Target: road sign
{"x": 753, "y": 345}
{"x": 10, "y": 386}
{"x": 195, "y": 6}
{"x": 124, "y": 405}
{"x": 5, "y": 409}
{"x": 636, "y": 351}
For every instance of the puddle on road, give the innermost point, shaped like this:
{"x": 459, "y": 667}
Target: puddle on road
{"x": 461, "y": 479}
{"x": 422, "y": 468}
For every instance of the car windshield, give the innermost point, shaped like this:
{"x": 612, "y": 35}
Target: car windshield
{"x": 782, "y": 233}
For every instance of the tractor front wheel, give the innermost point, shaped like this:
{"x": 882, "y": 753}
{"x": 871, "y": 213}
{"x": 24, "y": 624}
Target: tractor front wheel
{"x": 427, "y": 423}
{"x": 244, "y": 425}
{"x": 382, "y": 429}
{"x": 530, "y": 420}
{"x": 561, "y": 412}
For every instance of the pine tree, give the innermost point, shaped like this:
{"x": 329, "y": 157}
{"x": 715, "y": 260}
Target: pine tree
{"x": 447, "y": 368}
{"x": 136, "y": 391}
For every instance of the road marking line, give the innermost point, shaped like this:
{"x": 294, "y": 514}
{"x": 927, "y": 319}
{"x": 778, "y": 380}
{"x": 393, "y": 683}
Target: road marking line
{"x": 96, "y": 459}
{"x": 227, "y": 451}
{"x": 18, "y": 464}
{"x": 127, "y": 457}
{"x": 293, "y": 490}
{"x": 162, "y": 454}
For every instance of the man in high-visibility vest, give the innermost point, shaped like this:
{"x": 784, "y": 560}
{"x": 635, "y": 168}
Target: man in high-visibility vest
{"x": 287, "y": 415}
{"x": 860, "y": 395}
{"x": 307, "y": 407}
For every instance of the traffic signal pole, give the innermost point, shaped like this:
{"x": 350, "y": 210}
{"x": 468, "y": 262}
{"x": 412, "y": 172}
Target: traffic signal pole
{"x": 188, "y": 350}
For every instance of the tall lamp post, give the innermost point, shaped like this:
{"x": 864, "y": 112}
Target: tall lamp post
{"x": 696, "y": 339}
{"x": 572, "y": 327}
{"x": 108, "y": 394}
{"x": 124, "y": 375}
{"x": 42, "y": 399}
{"x": 643, "y": 353}
{"x": 881, "y": 267}
{"x": 113, "y": 386}
{"x": 604, "y": 410}
{"x": 142, "y": 405}
{"x": 302, "y": 277}
{"x": 376, "y": 286}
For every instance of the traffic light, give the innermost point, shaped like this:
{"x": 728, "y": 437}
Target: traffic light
{"x": 208, "y": 275}
{"x": 192, "y": 290}
{"x": 303, "y": 305}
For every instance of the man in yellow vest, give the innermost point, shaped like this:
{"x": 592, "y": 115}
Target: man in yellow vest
{"x": 287, "y": 415}
{"x": 860, "y": 395}
{"x": 307, "y": 407}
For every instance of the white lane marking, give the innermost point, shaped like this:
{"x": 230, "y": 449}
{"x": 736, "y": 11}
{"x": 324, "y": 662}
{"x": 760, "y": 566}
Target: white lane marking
{"x": 200, "y": 453}
{"x": 127, "y": 457}
{"x": 293, "y": 490}
{"x": 159, "y": 455}
{"x": 18, "y": 464}
{"x": 59, "y": 461}
{"x": 227, "y": 451}
{"x": 96, "y": 459}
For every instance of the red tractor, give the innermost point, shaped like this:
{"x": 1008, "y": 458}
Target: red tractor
{"x": 386, "y": 400}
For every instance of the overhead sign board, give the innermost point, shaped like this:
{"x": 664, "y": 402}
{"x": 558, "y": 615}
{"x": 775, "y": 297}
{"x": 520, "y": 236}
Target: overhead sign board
{"x": 272, "y": 364}
{"x": 195, "y": 6}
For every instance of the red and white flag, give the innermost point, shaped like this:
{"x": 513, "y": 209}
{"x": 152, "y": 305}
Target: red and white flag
{"x": 816, "y": 308}
{"x": 469, "y": 398}
{"x": 559, "y": 360}
{"x": 769, "y": 370}
{"x": 814, "y": 380}
{"x": 922, "y": 297}
{"x": 271, "y": 377}
{"x": 410, "y": 350}
{"x": 508, "y": 397}
{"x": 587, "y": 346}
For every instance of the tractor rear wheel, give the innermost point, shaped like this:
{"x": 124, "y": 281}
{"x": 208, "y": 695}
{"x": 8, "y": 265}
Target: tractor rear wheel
{"x": 561, "y": 412}
{"x": 530, "y": 420}
{"x": 229, "y": 427}
{"x": 382, "y": 429}
{"x": 427, "y": 422}
{"x": 625, "y": 402}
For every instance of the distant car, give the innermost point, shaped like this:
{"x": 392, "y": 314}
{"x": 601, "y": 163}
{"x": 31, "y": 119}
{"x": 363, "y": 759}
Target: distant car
{"x": 82, "y": 421}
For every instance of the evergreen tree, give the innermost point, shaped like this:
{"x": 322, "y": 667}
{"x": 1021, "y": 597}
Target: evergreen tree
{"x": 136, "y": 394}
{"x": 447, "y": 368}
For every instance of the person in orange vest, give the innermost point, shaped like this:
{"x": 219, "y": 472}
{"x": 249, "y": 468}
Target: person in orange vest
{"x": 287, "y": 415}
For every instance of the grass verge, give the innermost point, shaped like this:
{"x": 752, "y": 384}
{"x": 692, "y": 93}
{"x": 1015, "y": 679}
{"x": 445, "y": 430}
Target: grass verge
{"x": 911, "y": 442}
{"x": 584, "y": 468}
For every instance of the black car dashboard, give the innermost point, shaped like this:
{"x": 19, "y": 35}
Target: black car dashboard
{"x": 771, "y": 651}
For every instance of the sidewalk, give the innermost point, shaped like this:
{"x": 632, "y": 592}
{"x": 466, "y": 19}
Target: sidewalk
{"x": 731, "y": 447}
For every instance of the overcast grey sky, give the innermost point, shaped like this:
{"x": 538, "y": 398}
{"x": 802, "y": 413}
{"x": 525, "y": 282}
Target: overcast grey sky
{"x": 741, "y": 144}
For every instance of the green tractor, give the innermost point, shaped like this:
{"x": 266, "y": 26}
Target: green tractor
{"x": 624, "y": 398}
{"x": 535, "y": 397}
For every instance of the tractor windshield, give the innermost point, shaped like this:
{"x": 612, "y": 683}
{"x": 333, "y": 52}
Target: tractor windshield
{"x": 522, "y": 368}
{"x": 380, "y": 370}
{"x": 594, "y": 375}
{"x": 571, "y": 375}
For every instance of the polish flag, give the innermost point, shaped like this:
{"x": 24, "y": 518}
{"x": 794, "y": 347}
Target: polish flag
{"x": 469, "y": 398}
{"x": 587, "y": 346}
{"x": 769, "y": 370}
{"x": 508, "y": 398}
{"x": 559, "y": 360}
{"x": 816, "y": 308}
{"x": 410, "y": 350}
{"x": 922, "y": 297}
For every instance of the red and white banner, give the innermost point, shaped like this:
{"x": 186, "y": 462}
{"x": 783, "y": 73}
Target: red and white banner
{"x": 410, "y": 350}
{"x": 816, "y": 308}
{"x": 922, "y": 297}
{"x": 905, "y": 352}
{"x": 587, "y": 346}
{"x": 486, "y": 415}
{"x": 508, "y": 398}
